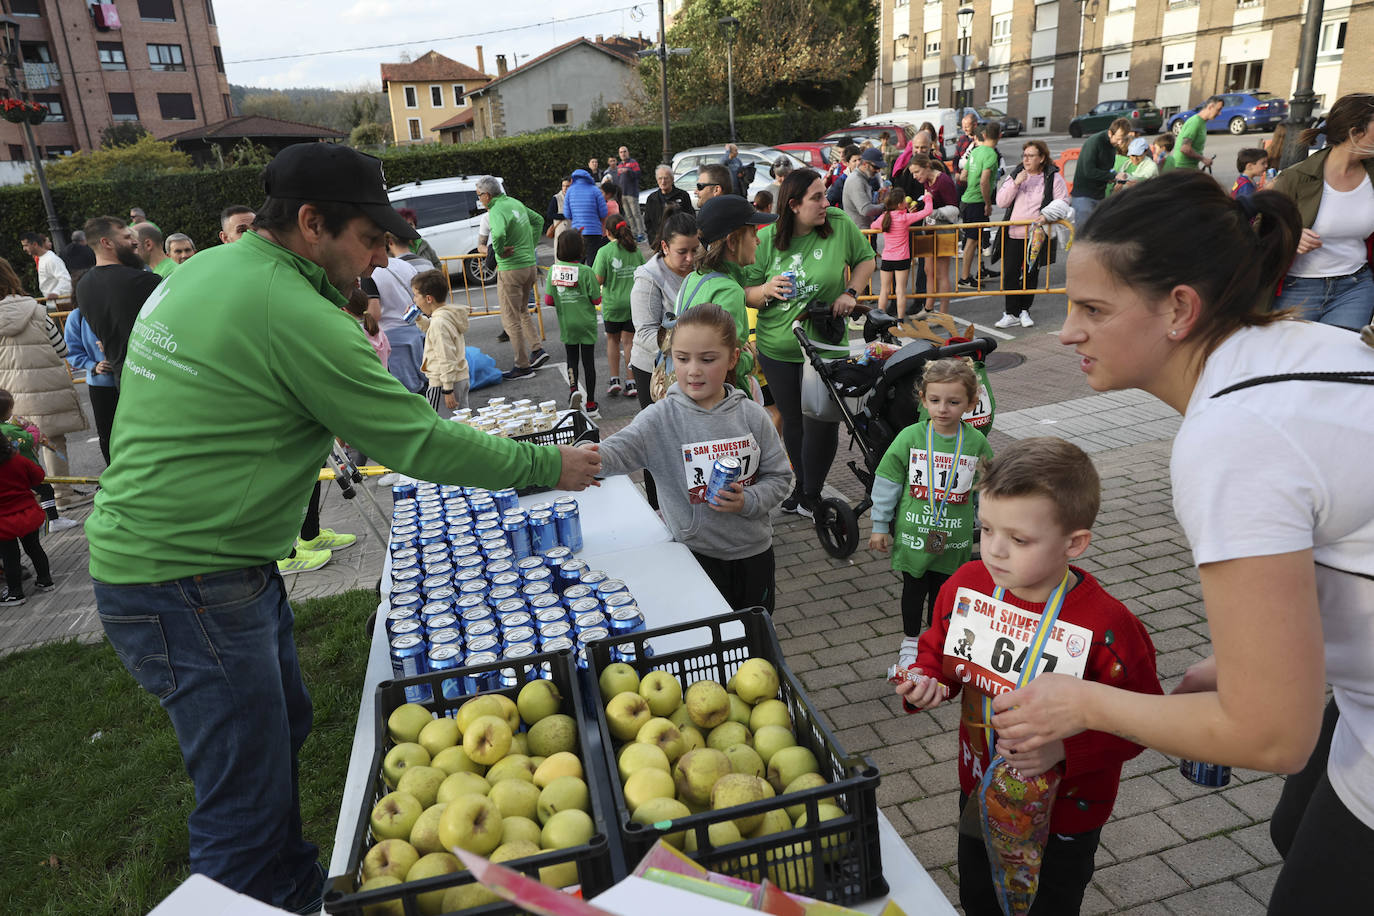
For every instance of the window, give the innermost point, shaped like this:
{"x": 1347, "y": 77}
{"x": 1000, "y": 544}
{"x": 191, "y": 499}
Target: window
{"x": 1001, "y": 29}
{"x": 962, "y": 44}
{"x": 1248, "y": 4}
{"x": 932, "y": 44}
{"x": 899, "y": 49}
{"x": 176, "y": 106}
{"x": 54, "y": 103}
{"x": 17, "y": 152}
{"x": 1242, "y": 76}
{"x": 157, "y": 11}
{"x": 1181, "y": 4}
{"x": 1038, "y": 123}
{"x": 436, "y": 96}
{"x": 412, "y": 101}
{"x": 1178, "y": 70}
{"x": 458, "y": 95}
{"x": 998, "y": 84}
{"x": 1120, "y": 6}
{"x": 437, "y": 209}
{"x": 558, "y": 114}
{"x": 1332, "y": 41}
{"x": 219, "y": 58}
{"x": 414, "y": 125}
{"x": 228, "y": 105}
{"x": 165, "y": 57}
{"x": 35, "y": 52}
{"x": 123, "y": 107}
{"x": 210, "y": 11}
{"x": 1116, "y": 67}
{"x": 25, "y": 8}
{"x": 111, "y": 55}
{"x": 932, "y": 96}
{"x": 54, "y": 152}
{"x": 1046, "y": 16}
{"x": 1042, "y": 77}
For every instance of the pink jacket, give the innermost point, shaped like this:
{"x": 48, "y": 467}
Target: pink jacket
{"x": 897, "y": 240}
{"x": 1025, "y": 199}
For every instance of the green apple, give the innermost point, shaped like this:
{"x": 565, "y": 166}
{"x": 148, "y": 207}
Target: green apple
{"x": 520, "y": 743}
{"x": 538, "y": 699}
{"x": 487, "y": 739}
{"x": 564, "y": 874}
{"x": 756, "y": 680}
{"x": 468, "y": 897}
{"x": 564, "y": 763}
{"x": 617, "y": 678}
{"x": 401, "y": 756}
{"x": 484, "y": 705}
{"x": 739, "y": 710}
{"x": 514, "y": 849}
{"x": 564, "y": 793}
{"x": 804, "y": 781}
{"x": 626, "y": 714}
{"x": 421, "y": 782}
{"x": 552, "y": 734}
{"x": 471, "y": 822}
{"x": 734, "y": 789}
{"x": 520, "y": 828}
{"x": 439, "y": 735}
{"x": 388, "y": 908}
{"x": 394, "y": 815}
{"x": 789, "y": 763}
{"x": 680, "y": 717}
{"x": 431, "y": 866}
{"x": 647, "y": 784}
{"x": 406, "y": 722}
{"x": 391, "y": 857}
{"x": 509, "y": 711}
{"x": 456, "y": 760}
{"x": 663, "y": 692}
{"x": 720, "y": 834}
{"x": 515, "y": 798}
{"x": 664, "y": 734}
{"x": 770, "y": 712}
{"x": 772, "y": 738}
{"x": 656, "y": 811}
{"x": 707, "y": 703}
{"x": 636, "y": 756}
{"x": 728, "y": 733}
{"x": 692, "y": 736}
{"x": 697, "y": 771}
{"x": 461, "y": 783}
{"x": 832, "y": 845}
{"x": 775, "y": 821}
{"x": 567, "y": 828}
{"x": 511, "y": 766}
{"x": 744, "y": 759}
{"x": 424, "y": 836}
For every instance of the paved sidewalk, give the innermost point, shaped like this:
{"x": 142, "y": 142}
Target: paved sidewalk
{"x": 1171, "y": 848}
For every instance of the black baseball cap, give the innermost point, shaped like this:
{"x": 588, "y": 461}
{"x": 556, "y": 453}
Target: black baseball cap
{"x": 722, "y": 215}
{"x": 331, "y": 172}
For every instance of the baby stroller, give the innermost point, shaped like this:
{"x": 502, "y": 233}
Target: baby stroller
{"x": 875, "y": 402}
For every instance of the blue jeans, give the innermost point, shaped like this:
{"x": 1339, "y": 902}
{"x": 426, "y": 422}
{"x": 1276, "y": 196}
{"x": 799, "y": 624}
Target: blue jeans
{"x": 1082, "y": 209}
{"x": 1346, "y": 302}
{"x": 217, "y": 651}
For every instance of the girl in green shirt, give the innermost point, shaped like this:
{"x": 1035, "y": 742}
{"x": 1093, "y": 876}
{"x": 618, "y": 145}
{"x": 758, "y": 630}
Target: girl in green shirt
{"x": 574, "y": 294}
{"x": 615, "y": 265}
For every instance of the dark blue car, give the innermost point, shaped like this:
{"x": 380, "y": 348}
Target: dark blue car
{"x": 1253, "y": 109}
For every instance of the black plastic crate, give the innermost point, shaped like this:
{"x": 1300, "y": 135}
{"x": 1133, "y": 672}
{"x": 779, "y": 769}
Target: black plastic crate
{"x": 593, "y": 860}
{"x": 571, "y": 428}
{"x": 837, "y": 860}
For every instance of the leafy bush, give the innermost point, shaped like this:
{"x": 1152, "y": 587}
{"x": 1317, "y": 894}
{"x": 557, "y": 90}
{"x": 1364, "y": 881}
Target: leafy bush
{"x": 139, "y": 159}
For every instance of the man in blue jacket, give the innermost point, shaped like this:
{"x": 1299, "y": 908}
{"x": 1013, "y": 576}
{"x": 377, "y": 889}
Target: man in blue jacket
{"x": 585, "y": 207}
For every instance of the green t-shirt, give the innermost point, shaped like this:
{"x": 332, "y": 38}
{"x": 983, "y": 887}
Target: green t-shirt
{"x": 165, "y": 267}
{"x": 575, "y": 291}
{"x": 616, "y": 269}
{"x": 906, "y": 463}
{"x": 726, "y": 291}
{"x": 980, "y": 159}
{"x": 819, "y": 264}
{"x": 1194, "y": 129}
{"x": 513, "y": 224}
{"x": 238, "y": 377}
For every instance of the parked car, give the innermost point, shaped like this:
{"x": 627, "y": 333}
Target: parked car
{"x": 1253, "y": 109}
{"x": 900, "y": 132}
{"x": 448, "y": 215}
{"x": 762, "y": 157}
{"x": 815, "y": 155}
{"x": 1011, "y": 127}
{"x": 1142, "y": 113}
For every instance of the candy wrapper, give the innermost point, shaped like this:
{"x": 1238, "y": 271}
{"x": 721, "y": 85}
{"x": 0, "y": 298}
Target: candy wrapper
{"x": 877, "y": 352}
{"x": 910, "y": 675}
{"x": 1015, "y": 813}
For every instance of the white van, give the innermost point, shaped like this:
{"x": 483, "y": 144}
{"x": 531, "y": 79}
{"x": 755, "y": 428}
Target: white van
{"x": 946, "y": 121}
{"x": 449, "y": 216}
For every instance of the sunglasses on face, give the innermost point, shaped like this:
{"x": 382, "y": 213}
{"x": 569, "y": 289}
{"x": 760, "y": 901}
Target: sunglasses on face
{"x": 709, "y": 184}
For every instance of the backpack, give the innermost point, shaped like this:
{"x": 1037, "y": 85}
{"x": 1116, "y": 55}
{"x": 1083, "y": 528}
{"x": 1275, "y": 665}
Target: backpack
{"x": 744, "y": 177}
{"x": 664, "y": 376}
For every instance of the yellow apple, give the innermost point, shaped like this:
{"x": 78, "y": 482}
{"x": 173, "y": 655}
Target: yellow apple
{"x": 406, "y": 721}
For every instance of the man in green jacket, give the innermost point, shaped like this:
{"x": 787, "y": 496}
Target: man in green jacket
{"x": 1096, "y": 168}
{"x": 240, "y": 371}
{"x": 514, "y": 232}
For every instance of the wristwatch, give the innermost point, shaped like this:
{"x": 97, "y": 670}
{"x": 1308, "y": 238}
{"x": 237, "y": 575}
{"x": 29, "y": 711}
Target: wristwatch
{"x": 446, "y": 391}
{"x": 853, "y": 292}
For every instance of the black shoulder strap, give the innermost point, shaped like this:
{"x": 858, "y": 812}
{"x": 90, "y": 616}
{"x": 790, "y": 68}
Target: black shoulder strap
{"x": 1361, "y": 377}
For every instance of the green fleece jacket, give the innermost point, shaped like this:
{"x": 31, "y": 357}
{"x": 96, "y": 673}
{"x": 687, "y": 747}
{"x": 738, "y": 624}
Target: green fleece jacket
{"x": 516, "y": 226}
{"x": 241, "y": 370}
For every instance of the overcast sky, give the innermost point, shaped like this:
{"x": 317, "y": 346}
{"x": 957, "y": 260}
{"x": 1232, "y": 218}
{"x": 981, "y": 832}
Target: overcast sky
{"x": 362, "y": 34}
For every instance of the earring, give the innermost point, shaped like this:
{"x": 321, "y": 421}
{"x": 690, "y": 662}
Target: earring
{"x": 1173, "y": 333}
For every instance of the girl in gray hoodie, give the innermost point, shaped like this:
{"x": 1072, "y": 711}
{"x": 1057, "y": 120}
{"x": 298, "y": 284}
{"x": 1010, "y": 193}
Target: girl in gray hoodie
{"x": 679, "y": 439}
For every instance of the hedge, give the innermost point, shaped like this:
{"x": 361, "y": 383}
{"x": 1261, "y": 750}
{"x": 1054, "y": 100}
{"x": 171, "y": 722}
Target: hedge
{"x": 531, "y": 167}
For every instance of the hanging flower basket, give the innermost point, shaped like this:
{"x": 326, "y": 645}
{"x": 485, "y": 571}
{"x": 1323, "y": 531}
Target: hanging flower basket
{"x": 37, "y": 113}
{"x": 13, "y": 110}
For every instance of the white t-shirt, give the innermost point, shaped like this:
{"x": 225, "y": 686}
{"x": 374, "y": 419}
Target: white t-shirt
{"x": 1283, "y": 467}
{"x": 393, "y": 289}
{"x": 1344, "y": 220}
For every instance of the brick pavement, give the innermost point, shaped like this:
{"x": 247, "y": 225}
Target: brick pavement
{"x": 1170, "y": 848}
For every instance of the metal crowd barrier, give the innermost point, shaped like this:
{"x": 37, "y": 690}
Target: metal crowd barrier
{"x": 490, "y": 306}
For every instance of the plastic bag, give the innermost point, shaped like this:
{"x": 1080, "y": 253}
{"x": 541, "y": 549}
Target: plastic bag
{"x": 816, "y": 400}
{"x": 482, "y": 369}
{"x": 1016, "y": 826}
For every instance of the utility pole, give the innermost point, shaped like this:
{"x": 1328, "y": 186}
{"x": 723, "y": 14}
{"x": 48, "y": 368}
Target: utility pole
{"x": 663, "y": 78}
{"x": 1304, "y": 99}
{"x": 729, "y": 27}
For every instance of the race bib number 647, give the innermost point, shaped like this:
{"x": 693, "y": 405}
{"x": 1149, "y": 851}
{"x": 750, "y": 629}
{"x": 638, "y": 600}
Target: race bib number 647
{"x": 989, "y": 640}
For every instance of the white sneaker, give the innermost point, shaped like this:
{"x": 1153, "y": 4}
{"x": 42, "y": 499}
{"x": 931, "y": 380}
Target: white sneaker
{"x": 906, "y": 655}
{"x": 63, "y": 524}
{"x": 1006, "y": 321}
{"x": 1026, "y": 321}
{"x": 388, "y": 479}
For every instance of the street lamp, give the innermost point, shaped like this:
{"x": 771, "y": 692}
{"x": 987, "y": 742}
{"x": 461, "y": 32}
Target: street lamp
{"x": 1304, "y": 99}
{"x": 9, "y": 51}
{"x": 729, "y": 27}
{"x": 965, "y": 17}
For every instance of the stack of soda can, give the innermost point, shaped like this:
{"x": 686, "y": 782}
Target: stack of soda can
{"x": 477, "y": 579}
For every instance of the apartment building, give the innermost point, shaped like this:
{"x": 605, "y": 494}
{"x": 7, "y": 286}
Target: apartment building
{"x": 1044, "y": 61}
{"x": 93, "y": 64}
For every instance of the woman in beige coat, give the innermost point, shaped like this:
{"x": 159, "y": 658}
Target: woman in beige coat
{"x": 31, "y": 370}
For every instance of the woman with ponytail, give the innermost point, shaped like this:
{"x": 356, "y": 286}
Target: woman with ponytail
{"x": 1270, "y": 485}
{"x": 615, "y": 267}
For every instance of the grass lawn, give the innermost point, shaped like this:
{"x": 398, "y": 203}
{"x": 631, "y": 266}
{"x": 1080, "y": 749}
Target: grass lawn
{"x": 95, "y": 796}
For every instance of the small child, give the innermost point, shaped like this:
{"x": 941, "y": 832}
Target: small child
{"x": 26, "y": 439}
{"x": 357, "y": 307}
{"x": 1039, "y": 500}
{"x": 612, "y": 194}
{"x": 933, "y": 510}
{"x": 1251, "y": 164}
{"x": 574, "y": 294}
{"x": 615, "y": 265}
{"x": 446, "y": 358}
{"x": 1162, "y": 146}
{"x": 763, "y": 201}
{"x": 21, "y": 520}
{"x": 895, "y": 225}
{"x": 679, "y": 438}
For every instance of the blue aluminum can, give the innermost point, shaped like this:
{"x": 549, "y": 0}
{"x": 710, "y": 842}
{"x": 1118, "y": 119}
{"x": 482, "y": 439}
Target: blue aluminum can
{"x": 472, "y": 561}
{"x": 525, "y": 564}
{"x": 501, "y": 553}
{"x": 483, "y": 644}
{"x": 610, "y": 587}
{"x": 401, "y": 541}
{"x": 618, "y": 599}
{"x": 466, "y": 540}
{"x": 496, "y": 568}
{"x": 512, "y": 614}
{"x": 480, "y": 628}
{"x": 488, "y": 514}
{"x": 464, "y": 550}
{"x": 400, "y": 563}
{"x": 480, "y": 524}
{"x": 541, "y": 575}
{"x": 434, "y": 609}
{"x": 445, "y": 636}
{"x": 553, "y": 629}
{"x": 438, "y": 567}
{"x": 558, "y": 644}
{"x": 1211, "y": 775}
{"x": 543, "y": 532}
{"x": 432, "y": 583}
{"x": 517, "y": 535}
{"x": 434, "y": 534}
{"x": 568, "y": 521}
{"x": 447, "y": 658}
{"x": 506, "y": 499}
{"x": 531, "y": 590}
{"x": 465, "y": 602}
{"x": 502, "y": 593}
{"x": 405, "y": 516}
{"x": 434, "y": 553}
{"x": 520, "y": 636}
{"x": 625, "y": 652}
{"x": 791, "y": 277}
{"x": 404, "y": 627}
{"x": 446, "y": 594}
{"x": 545, "y": 612}
{"x": 627, "y": 619}
{"x": 458, "y": 523}
{"x": 575, "y": 593}
{"x": 407, "y": 660}
{"x": 541, "y": 506}
{"x": 594, "y": 578}
{"x": 404, "y": 553}
{"x": 511, "y": 579}
{"x": 397, "y": 614}
{"x": 510, "y": 677}
{"x": 464, "y": 576}
{"x": 583, "y": 639}
{"x": 475, "y": 587}
{"x": 439, "y": 623}
{"x": 480, "y": 681}
{"x": 557, "y": 557}
{"x": 411, "y": 600}
{"x": 429, "y": 516}
{"x": 587, "y": 617}
{"x": 570, "y": 573}
{"x": 403, "y": 490}
{"x": 474, "y": 613}
{"x": 409, "y": 578}
{"x": 723, "y": 473}
{"x": 403, "y": 504}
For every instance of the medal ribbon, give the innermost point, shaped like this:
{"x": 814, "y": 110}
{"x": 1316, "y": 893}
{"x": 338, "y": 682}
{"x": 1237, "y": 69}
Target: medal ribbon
{"x": 940, "y": 509}
{"x": 1053, "y": 605}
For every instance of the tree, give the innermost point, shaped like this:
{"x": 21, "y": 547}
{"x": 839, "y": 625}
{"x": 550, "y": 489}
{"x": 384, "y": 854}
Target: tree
{"x": 123, "y": 133}
{"x": 367, "y": 134}
{"x": 142, "y": 158}
{"x": 815, "y": 54}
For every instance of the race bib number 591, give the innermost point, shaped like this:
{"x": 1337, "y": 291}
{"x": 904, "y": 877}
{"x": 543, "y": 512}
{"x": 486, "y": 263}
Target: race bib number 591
{"x": 563, "y": 274}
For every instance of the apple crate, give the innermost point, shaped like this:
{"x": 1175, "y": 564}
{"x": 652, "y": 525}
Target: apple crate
{"x": 837, "y": 860}
{"x": 593, "y": 860}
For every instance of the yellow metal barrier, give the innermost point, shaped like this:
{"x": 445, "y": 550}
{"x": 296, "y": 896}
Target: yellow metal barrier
{"x": 448, "y": 269}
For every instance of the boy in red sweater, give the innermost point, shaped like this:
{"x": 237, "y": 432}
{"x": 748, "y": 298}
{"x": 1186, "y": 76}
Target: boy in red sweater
{"x": 1039, "y": 498}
